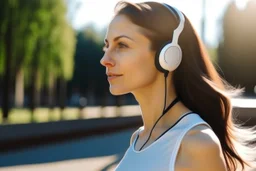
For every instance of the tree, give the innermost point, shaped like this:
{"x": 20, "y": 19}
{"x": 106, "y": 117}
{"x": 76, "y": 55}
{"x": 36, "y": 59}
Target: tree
{"x": 38, "y": 44}
{"x": 53, "y": 55}
{"x": 24, "y": 42}
{"x": 6, "y": 26}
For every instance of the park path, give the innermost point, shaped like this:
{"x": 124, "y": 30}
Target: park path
{"x": 96, "y": 153}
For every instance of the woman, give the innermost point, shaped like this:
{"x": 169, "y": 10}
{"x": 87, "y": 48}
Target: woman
{"x": 195, "y": 131}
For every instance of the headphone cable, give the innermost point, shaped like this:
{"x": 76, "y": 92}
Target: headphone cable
{"x": 164, "y": 110}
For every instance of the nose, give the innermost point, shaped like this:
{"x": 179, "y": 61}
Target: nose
{"x": 107, "y": 61}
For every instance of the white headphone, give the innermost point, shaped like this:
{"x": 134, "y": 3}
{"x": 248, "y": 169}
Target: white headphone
{"x": 170, "y": 56}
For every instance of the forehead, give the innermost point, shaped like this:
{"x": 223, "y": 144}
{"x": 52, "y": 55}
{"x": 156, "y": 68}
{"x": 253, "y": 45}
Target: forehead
{"x": 121, "y": 25}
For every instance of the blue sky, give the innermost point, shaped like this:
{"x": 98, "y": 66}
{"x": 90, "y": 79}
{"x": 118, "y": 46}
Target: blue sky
{"x": 100, "y": 12}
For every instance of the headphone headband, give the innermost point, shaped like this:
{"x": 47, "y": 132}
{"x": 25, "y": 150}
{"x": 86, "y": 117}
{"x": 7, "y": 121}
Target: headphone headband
{"x": 169, "y": 57}
{"x": 178, "y": 30}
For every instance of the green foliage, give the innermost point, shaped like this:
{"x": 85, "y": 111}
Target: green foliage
{"x": 2, "y": 59}
{"x": 91, "y": 33}
{"x": 42, "y": 37}
{"x": 67, "y": 44}
{"x": 4, "y": 6}
{"x": 57, "y": 42}
{"x": 89, "y": 74}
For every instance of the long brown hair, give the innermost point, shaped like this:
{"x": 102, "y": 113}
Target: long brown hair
{"x": 196, "y": 80}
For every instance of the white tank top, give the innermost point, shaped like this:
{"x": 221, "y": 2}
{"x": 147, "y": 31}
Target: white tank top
{"x": 162, "y": 153}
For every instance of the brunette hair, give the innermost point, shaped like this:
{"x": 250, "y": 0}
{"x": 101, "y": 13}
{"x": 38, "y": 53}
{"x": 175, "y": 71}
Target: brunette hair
{"x": 196, "y": 81}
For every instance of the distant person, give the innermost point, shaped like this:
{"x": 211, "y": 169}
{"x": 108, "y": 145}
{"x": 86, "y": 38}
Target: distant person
{"x": 153, "y": 52}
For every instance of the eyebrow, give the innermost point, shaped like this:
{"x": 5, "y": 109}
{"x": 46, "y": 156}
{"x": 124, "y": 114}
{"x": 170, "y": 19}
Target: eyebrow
{"x": 119, "y": 37}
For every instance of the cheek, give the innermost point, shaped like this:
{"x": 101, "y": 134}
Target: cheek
{"x": 139, "y": 71}
{"x": 142, "y": 71}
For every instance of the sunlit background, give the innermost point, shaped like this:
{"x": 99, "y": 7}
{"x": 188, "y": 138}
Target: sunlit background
{"x": 54, "y": 93}
{"x": 212, "y": 10}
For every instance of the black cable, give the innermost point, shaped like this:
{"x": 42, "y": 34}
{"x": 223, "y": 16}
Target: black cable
{"x": 164, "y": 110}
{"x": 165, "y": 89}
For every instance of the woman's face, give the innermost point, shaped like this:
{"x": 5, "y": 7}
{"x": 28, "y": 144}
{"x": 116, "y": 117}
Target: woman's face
{"x": 128, "y": 59}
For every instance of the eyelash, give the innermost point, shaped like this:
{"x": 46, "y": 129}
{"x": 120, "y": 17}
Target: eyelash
{"x": 120, "y": 45}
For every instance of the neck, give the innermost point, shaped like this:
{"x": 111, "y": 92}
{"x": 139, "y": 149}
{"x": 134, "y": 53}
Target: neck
{"x": 151, "y": 101}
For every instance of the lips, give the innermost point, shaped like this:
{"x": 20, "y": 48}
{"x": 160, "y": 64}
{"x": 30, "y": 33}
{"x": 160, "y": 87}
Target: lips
{"x": 112, "y": 76}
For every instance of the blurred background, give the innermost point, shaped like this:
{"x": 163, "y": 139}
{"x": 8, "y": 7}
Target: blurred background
{"x": 56, "y": 110}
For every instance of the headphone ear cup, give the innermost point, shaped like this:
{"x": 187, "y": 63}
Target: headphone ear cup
{"x": 157, "y": 60}
{"x": 170, "y": 57}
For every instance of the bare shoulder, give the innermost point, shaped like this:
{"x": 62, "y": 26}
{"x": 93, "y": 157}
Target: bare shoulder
{"x": 202, "y": 147}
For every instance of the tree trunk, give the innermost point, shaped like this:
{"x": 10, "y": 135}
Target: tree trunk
{"x": 62, "y": 94}
{"x": 38, "y": 88}
{"x": 51, "y": 91}
{"x": 7, "y": 70}
{"x": 19, "y": 88}
{"x": 35, "y": 91}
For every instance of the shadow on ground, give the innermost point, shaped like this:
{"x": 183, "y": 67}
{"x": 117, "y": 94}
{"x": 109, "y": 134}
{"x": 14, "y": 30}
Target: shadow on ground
{"x": 114, "y": 143}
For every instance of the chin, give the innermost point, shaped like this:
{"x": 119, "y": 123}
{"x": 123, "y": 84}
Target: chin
{"x": 117, "y": 91}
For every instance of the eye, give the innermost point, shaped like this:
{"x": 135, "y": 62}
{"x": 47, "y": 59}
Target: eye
{"x": 122, "y": 45}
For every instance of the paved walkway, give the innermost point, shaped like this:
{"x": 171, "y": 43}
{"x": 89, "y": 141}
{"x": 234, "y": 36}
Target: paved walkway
{"x": 89, "y": 164}
{"x": 99, "y": 153}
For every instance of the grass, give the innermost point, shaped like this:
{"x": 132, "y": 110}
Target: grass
{"x": 23, "y": 115}
{"x": 19, "y": 116}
